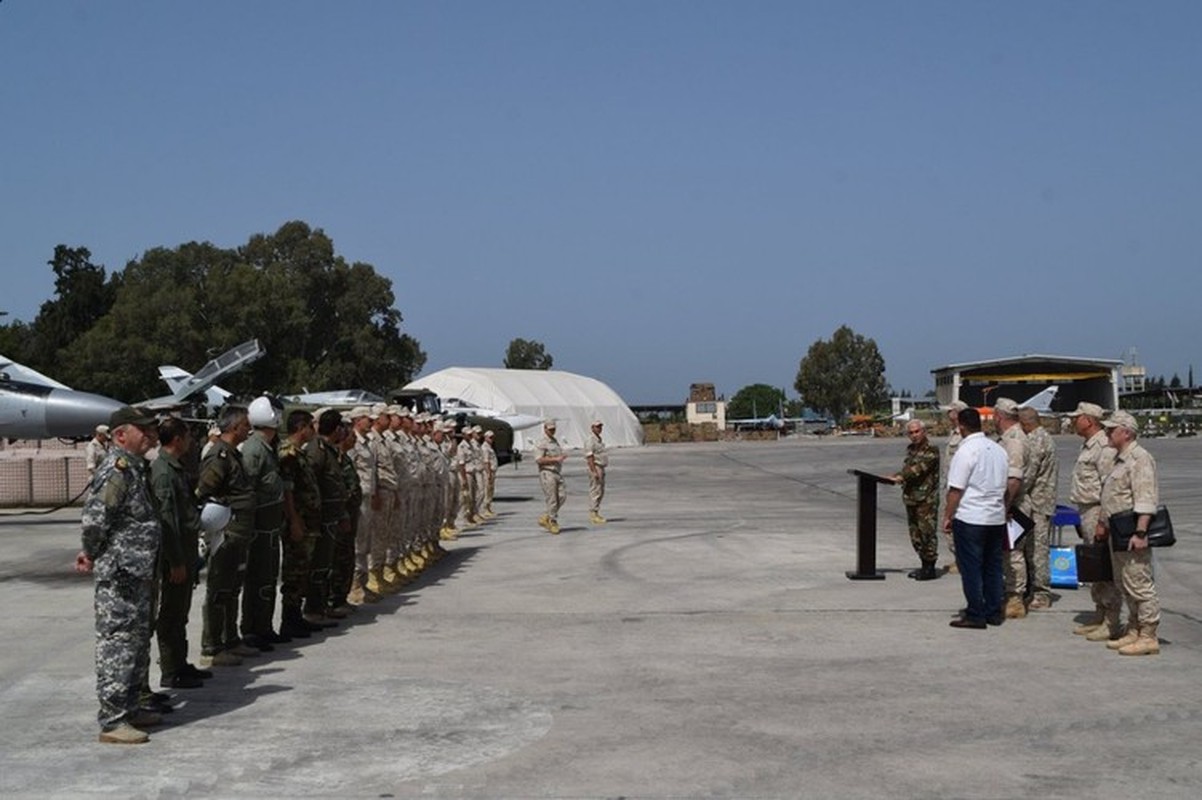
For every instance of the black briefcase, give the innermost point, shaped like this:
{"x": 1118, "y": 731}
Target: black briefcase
{"x": 1160, "y": 530}
{"x": 1093, "y": 563}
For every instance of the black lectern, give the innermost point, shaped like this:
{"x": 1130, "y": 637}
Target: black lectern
{"x": 866, "y": 526}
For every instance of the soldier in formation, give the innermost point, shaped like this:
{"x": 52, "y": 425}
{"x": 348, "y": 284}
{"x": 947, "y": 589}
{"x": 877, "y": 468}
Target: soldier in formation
{"x": 121, "y": 539}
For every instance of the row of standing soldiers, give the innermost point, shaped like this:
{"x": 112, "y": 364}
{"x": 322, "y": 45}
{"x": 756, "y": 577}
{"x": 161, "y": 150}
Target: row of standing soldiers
{"x": 336, "y": 510}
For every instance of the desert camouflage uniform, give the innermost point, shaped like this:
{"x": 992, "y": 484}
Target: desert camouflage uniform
{"x": 467, "y": 479}
{"x": 490, "y": 474}
{"x": 383, "y": 520}
{"x": 120, "y": 532}
{"x": 363, "y": 456}
{"x": 1043, "y": 469}
{"x": 452, "y": 490}
{"x": 550, "y": 476}
{"x": 1094, "y": 463}
{"x": 1131, "y": 486}
{"x": 179, "y": 520}
{"x": 1014, "y": 442}
{"x": 949, "y": 450}
{"x": 920, "y": 494}
{"x": 594, "y": 448}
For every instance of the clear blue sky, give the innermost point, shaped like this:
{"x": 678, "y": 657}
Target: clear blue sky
{"x": 660, "y": 192}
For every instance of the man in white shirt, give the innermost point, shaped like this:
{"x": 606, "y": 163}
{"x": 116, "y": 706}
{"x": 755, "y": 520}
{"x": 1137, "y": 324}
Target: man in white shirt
{"x": 975, "y": 514}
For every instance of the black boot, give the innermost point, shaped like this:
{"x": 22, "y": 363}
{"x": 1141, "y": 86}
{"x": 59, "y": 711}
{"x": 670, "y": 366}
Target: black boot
{"x": 292, "y": 624}
{"x": 928, "y": 572}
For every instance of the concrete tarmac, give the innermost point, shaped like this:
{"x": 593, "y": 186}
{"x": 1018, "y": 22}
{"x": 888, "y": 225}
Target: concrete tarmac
{"x": 704, "y": 643}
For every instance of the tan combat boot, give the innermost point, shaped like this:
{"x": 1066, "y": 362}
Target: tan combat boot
{"x": 1015, "y": 608}
{"x": 375, "y": 582}
{"x": 596, "y": 518}
{"x": 123, "y": 733}
{"x": 1099, "y": 618}
{"x": 1108, "y": 629}
{"x": 544, "y": 522}
{"x": 1148, "y": 644}
{"x": 553, "y": 527}
{"x": 356, "y": 595}
{"x": 1130, "y": 637}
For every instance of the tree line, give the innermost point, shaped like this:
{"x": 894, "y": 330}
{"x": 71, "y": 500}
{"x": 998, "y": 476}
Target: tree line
{"x": 324, "y": 322}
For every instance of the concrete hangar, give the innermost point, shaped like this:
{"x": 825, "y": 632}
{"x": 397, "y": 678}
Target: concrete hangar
{"x": 981, "y": 383}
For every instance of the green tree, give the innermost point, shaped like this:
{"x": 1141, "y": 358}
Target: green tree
{"x": 83, "y": 295}
{"x": 755, "y": 401}
{"x": 324, "y": 323}
{"x": 523, "y": 354}
{"x": 842, "y": 375}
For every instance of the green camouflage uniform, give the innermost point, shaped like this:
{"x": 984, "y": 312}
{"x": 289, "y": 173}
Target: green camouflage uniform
{"x": 120, "y": 532}
{"x": 223, "y": 479}
{"x": 301, "y": 483}
{"x": 180, "y": 523}
{"x": 323, "y": 457}
{"x": 344, "y": 543}
{"x": 920, "y": 493}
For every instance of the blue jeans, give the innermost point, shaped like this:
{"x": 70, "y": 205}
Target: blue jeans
{"x": 979, "y": 553}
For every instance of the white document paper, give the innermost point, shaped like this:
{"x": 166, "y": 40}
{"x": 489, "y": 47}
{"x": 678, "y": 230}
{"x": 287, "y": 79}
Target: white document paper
{"x": 1014, "y": 531}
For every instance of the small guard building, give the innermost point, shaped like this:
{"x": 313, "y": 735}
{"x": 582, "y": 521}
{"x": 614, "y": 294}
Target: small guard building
{"x": 981, "y": 383}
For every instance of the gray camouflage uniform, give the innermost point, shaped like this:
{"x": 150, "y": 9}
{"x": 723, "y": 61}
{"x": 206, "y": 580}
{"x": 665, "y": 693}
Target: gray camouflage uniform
{"x": 121, "y": 535}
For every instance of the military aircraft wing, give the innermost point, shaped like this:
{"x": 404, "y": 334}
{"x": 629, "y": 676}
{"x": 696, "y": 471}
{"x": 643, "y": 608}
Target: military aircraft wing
{"x": 185, "y": 386}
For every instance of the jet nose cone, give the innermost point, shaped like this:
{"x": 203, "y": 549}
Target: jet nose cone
{"x": 71, "y": 414}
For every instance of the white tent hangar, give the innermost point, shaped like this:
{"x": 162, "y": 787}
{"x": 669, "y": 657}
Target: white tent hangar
{"x": 573, "y": 401}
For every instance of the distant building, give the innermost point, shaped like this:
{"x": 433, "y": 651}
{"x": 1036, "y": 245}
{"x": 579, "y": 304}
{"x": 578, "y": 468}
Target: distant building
{"x": 704, "y": 406}
{"x": 981, "y": 383}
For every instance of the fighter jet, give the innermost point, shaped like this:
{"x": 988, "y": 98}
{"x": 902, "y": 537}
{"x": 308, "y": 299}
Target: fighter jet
{"x": 186, "y": 387}
{"x": 33, "y": 406}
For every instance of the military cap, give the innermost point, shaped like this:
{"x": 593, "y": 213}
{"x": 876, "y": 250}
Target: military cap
{"x": 102, "y": 429}
{"x": 956, "y": 405}
{"x": 1121, "y": 419}
{"x": 1006, "y": 406}
{"x": 490, "y": 434}
{"x": 128, "y": 415}
{"x": 596, "y": 423}
{"x": 1089, "y": 410}
{"x": 359, "y": 411}
{"x": 377, "y": 410}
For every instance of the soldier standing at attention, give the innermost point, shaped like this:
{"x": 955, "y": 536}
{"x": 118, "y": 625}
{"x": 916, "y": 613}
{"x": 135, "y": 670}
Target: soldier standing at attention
{"x": 120, "y": 533}
{"x": 597, "y": 460}
{"x": 96, "y": 450}
{"x": 363, "y": 455}
{"x": 302, "y": 511}
{"x": 1093, "y": 464}
{"x": 949, "y": 449}
{"x": 180, "y": 523}
{"x": 343, "y": 574}
{"x": 262, "y": 464}
{"x": 323, "y": 457}
{"x": 490, "y": 473}
{"x": 1042, "y": 474}
{"x": 223, "y": 480}
{"x": 1131, "y": 488}
{"x": 549, "y": 456}
{"x": 919, "y": 479}
{"x": 1014, "y": 442}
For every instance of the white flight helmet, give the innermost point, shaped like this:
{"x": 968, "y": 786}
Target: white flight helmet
{"x": 214, "y": 517}
{"x": 262, "y": 414}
